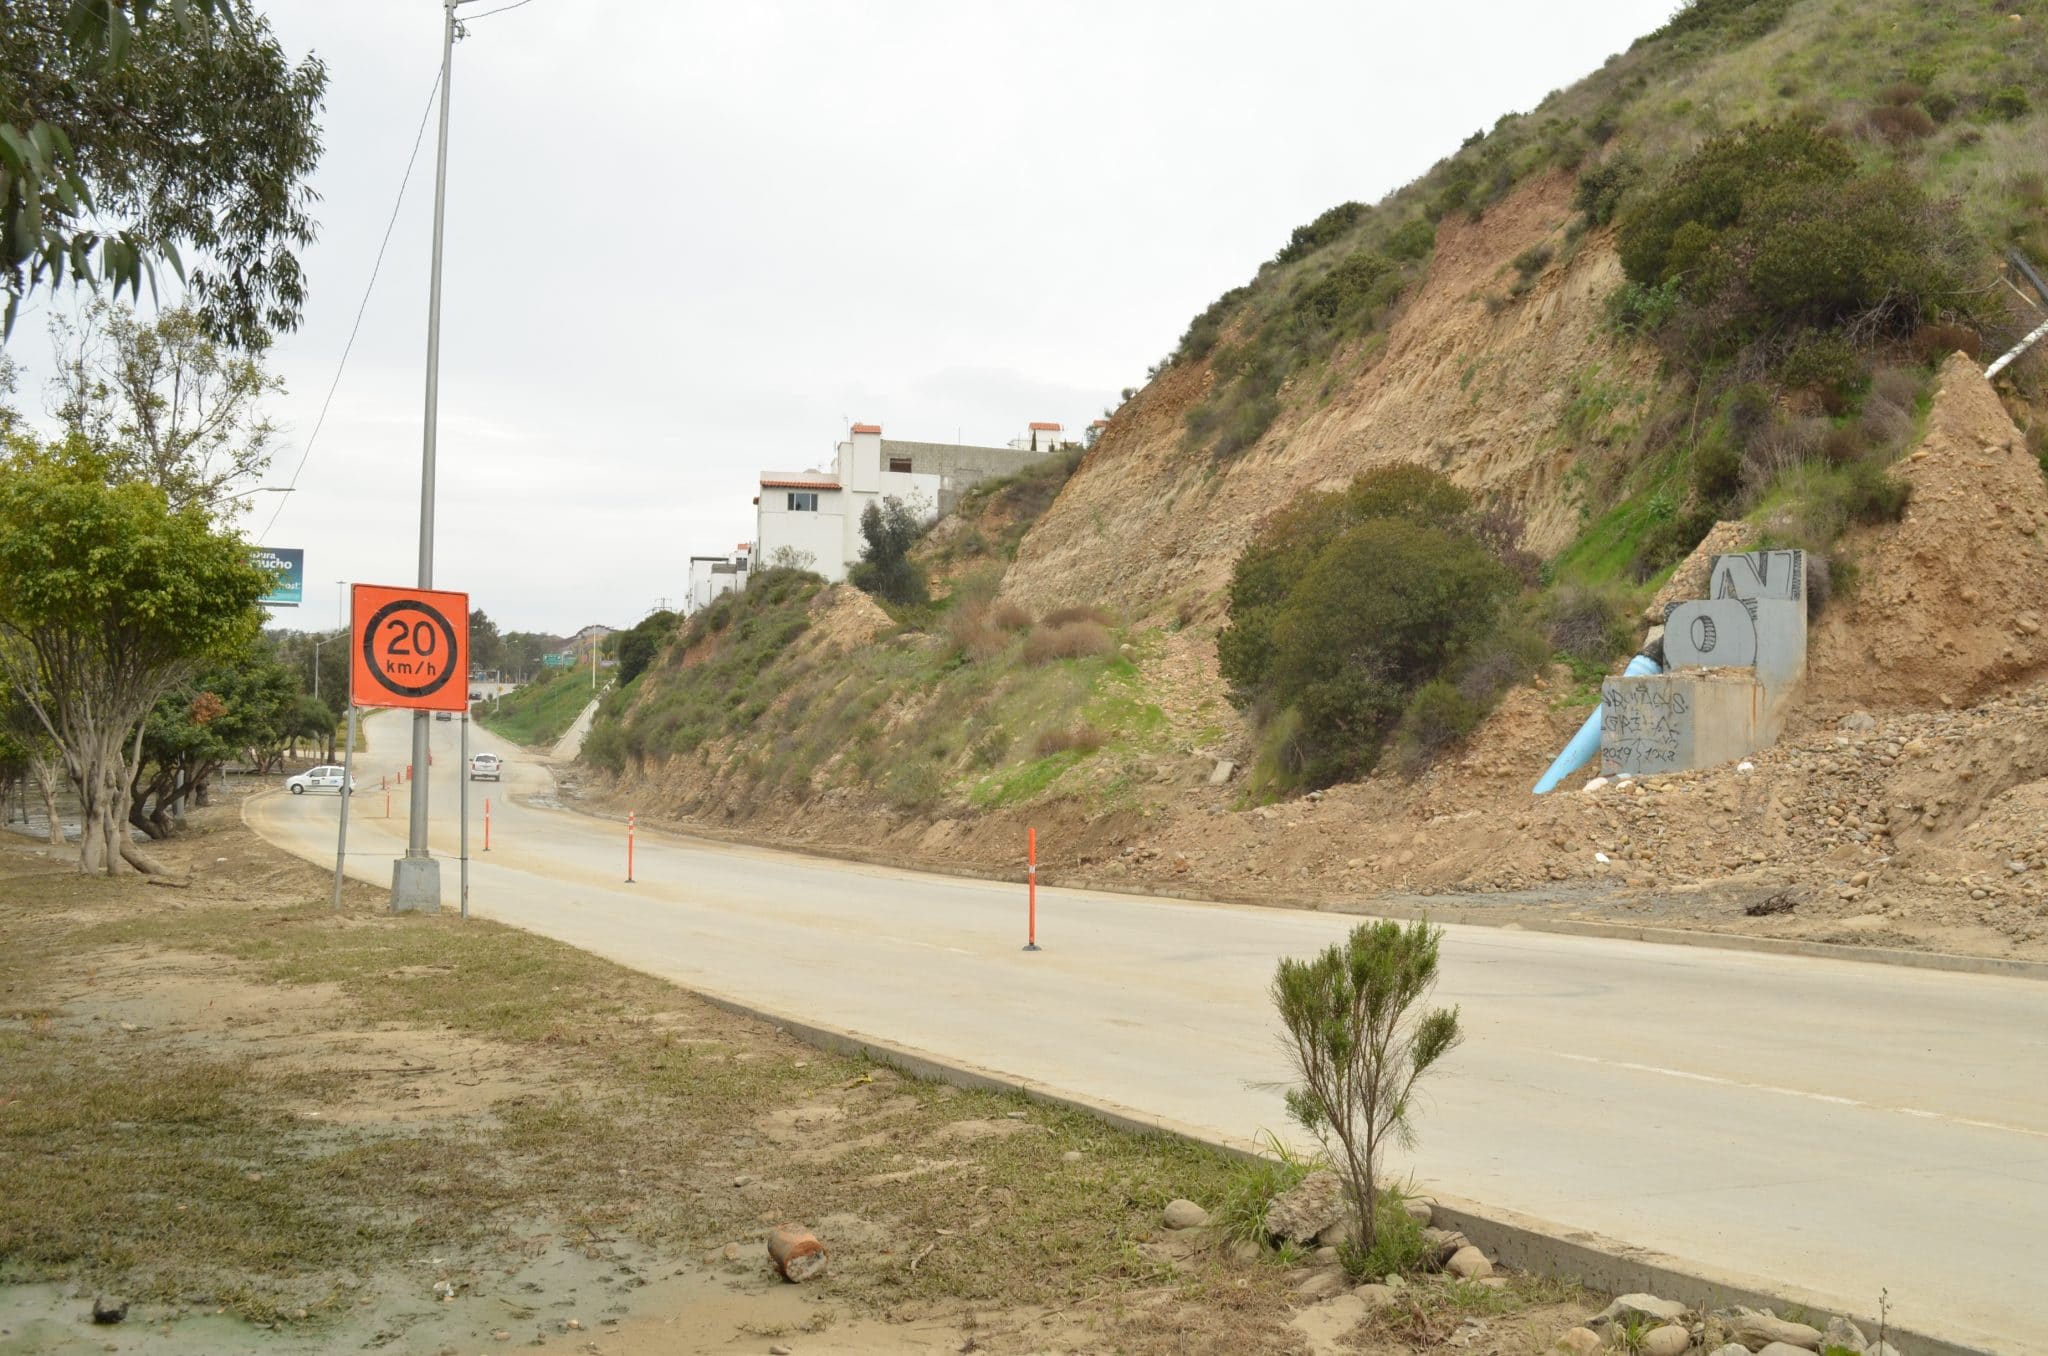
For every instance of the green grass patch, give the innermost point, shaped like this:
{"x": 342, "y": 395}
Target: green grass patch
{"x": 540, "y": 712}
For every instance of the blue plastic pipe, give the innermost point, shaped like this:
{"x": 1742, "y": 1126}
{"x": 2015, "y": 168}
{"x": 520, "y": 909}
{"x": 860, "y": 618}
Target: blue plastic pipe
{"x": 1586, "y": 742}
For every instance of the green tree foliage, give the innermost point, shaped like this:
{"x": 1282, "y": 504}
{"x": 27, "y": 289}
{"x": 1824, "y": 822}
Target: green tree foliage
{"x": 1360, "y": 1038}
{"x": 1351, "y": 601}
{"x": 885, "y": 568}
{"x": 1774, "y": 227}
{"x": 638, "y": 646}
{"x": 134, "y": 131}
{"x": 161, "y": 402}
{"x": 109, "y": 600}
{"x": 247, "y": 704}
{"x": 486, "y": 646}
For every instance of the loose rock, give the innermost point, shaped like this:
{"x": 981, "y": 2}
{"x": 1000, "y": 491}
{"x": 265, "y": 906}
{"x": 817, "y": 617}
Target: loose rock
{"x": 1320, "y": 1285}
{"x": 106, "y": 1310}
{"x": 1639, "y": 1306}
{"x": 1669, "y": 1340}
{"x": 1420, "y": 1211}
{"x": 1312, "y": 1206}
{"x": 1185, "y": 1214}
{"x": 1580, "y": 1341}
{"x": 1469, "y": 1264}
{"x": 1760, "y": 1328}
{"x": 1840, "y": 1332}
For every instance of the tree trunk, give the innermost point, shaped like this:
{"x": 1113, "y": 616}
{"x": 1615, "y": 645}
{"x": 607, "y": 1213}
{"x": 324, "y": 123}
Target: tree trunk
{"x": 134, "y": 857}
{"x": 45, "y": 773}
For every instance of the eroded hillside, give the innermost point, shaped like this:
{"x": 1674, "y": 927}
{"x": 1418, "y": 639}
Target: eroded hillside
{"x": 1484, "y": 322}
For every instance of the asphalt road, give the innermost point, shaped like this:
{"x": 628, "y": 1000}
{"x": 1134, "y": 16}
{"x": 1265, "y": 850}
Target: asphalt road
{"x": 1828, "y": 1126}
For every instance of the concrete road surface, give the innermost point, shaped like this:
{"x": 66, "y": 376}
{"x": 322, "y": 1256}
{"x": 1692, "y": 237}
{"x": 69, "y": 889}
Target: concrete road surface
{"x": 1827, "y": 1126}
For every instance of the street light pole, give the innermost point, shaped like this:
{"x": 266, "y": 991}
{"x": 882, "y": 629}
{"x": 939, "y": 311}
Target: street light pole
{"x": 416, "y": 877}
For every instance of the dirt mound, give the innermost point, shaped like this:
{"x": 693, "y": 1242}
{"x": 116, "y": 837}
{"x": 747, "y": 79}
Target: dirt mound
{"x": 843, "y": 617}
{"x": 1689, "y": 580}
{"x": 1951, "y": 600}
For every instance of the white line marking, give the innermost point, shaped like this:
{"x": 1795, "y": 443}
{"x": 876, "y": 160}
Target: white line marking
{"x": 1809, "y": 1096}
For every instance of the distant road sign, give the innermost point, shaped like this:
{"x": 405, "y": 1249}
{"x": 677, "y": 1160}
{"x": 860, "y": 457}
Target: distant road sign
{"x": 409, "y": 648}
{"x": 557, "y": 661}
{"x": 288, "y": 563}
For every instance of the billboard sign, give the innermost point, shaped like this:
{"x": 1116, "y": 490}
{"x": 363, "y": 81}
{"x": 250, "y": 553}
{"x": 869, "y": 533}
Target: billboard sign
{"x": 288, "y": 563}
{"x": 408, "y": 648}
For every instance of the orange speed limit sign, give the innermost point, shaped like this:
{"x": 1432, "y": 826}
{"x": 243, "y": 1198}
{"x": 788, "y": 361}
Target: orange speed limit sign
{"x": 409, "y": 647}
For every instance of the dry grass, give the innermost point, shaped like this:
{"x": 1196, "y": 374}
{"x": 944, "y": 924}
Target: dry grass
{"x": 1009, "y": 616}
{"x": 1082, "y": 738}
{"x": 1068, "y": 640}
{"x": 1062, "y": 616}
{"x": 168, "y": 1163}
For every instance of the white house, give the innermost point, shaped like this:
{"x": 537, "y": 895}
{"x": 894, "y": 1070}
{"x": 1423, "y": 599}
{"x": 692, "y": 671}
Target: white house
{"x": 812, "y": 518}
{"x": 711, "y": 576}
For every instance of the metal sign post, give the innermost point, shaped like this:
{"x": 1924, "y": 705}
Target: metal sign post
{"x": 348, "y": 786}
{"x": 465, "y": 812}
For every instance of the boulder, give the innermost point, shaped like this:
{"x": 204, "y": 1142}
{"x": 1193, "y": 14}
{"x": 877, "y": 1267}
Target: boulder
{"x": 1880, "y": 1349}
{"x": 1731, "y": 1349}
{"x": 1669, "y": 1340}
{"x": 1469, "y": 1264}
{"x": 1639, "y": 1306}
{"x": 1420, "y": 1211}
{"x": 1243, "y": 1251}
{"x": 1760, "y": 1328}
{"x": 1840, "y": 1332}
{"x": 1581, "y": 1341}
{"x": 1334, "y": 1234}
{"x": 1444, "y": 1243}
{"x": 1185, "y": 1214}
{"x": 1781, "y": 1349}
{"x": 1375, "y": 1295}
{"x": 1312, "y": 1206}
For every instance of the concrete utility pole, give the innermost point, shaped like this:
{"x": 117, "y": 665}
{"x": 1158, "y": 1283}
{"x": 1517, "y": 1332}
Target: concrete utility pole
{"x": 416, "y": 877}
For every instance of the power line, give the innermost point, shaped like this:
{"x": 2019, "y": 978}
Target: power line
{"x": 340, "y": 367}
{"x": 516, "y": 4}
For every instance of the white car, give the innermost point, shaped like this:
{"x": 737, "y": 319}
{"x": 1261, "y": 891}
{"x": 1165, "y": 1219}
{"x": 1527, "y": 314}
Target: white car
{"x": 318, "y": 779}
{"x": 486, "y": 767}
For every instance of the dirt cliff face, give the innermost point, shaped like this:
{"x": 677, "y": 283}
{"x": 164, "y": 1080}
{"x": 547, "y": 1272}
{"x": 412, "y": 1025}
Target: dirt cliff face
{"x": 1470, "y": 386}
{"x": 1950, "y": 602}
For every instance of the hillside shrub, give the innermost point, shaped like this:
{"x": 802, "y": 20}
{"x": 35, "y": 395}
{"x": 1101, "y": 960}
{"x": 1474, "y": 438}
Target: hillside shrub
{"x": 1082, "y": 738}
{"x": 2009, "y": 103}
{"x": 1601, "y": 187}
{"x": 1062, "y": 616}
{"x": 1774, "y": 226}
{"x": 1068, "y": 640}
{"x": 1378, "y": 611}
{"x": 1358, "y": 283}
{"x": 1900, "y": 124}
{"x": 1415, "y": 240}
{"x": 1940, "y": 105}
{"x": 1332, "y": 224}
{"x": 1588, "y": 624}
{"x": 1009, "y": 616}
{"x": 1531, "y": 261}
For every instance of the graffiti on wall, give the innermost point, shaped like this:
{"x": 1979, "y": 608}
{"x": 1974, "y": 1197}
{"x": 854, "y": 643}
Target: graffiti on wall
{"x": 1644, "y": 726}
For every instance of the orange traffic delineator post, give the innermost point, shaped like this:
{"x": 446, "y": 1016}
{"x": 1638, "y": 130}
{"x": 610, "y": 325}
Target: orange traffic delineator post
{"x": 487, "y": 823}
{"x": 408, "y": 771}
{"x": 629, "y": 847}
{"x": 1031, "y": 885}
{"x": 387, "y": 805}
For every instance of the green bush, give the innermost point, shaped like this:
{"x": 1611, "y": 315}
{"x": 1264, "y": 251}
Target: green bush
{"x": 1306, "y": 240}
{"x": 1376, "y": 613}
{"x": 1773, "y": 226}
{"x": 1352, "y": 286}
{"x": 1600, "y": 189}
{"x": 1398, "y": 1246}
{"x": 2008, "y": 103}
{"x": 1940, "y": 106}
{"x": 1826, "y": 363}
{"x": 1588, "y": 624}
{"x": 1415, "y": 240}
{"x": 1531, "y": 261}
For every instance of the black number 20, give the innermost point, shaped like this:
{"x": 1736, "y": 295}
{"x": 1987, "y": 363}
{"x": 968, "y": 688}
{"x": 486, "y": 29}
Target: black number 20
{"x": 421, "y": 632}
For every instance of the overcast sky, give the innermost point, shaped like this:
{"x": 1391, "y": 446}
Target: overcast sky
{"x": 687, "y": 241}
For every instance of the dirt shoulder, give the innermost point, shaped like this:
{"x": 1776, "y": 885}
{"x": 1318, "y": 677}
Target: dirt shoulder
{"x": 270, "y": 1127}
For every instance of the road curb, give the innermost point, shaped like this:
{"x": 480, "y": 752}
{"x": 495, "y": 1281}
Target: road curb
{"x": 1945, "y": 961}
{"x": 1522, "y": 1242}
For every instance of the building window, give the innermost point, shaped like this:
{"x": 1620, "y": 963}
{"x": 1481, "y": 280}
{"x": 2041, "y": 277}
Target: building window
{"x": 803, "y": 501}
{"x": 899, "y": 464}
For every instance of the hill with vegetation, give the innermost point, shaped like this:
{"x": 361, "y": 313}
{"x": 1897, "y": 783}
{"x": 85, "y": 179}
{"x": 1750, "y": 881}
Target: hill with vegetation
{"x": 1375, "y": 529}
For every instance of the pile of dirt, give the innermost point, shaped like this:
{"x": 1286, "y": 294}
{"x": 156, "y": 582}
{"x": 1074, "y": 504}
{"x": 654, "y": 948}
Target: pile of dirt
{"x": 1950, "y": 602}
{"x": 843, "y": 618}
